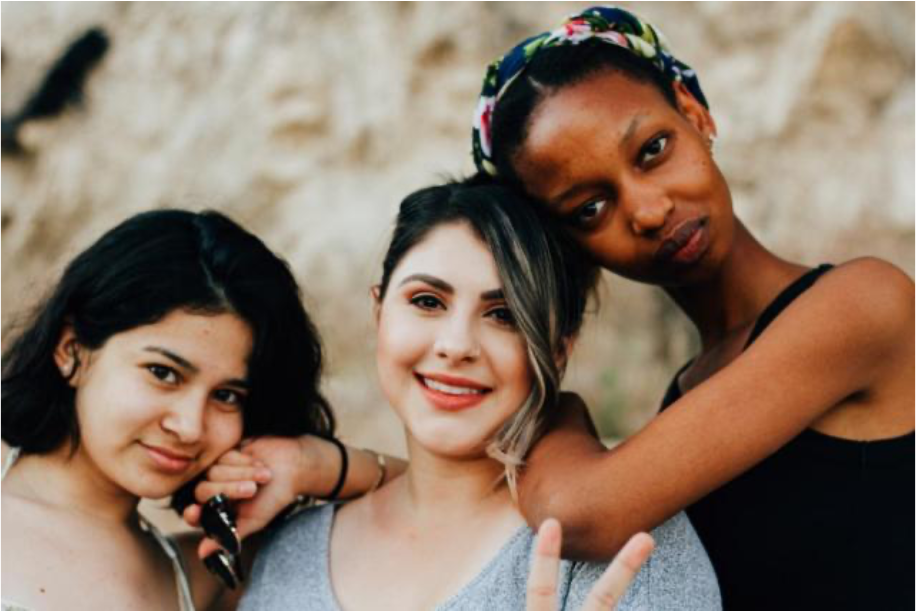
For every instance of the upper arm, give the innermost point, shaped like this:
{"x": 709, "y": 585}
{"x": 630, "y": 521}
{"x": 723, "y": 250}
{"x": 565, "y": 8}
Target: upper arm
{"x": 840, "y": 337}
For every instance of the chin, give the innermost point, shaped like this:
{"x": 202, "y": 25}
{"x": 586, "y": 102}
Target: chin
{"x": 154, "y": 486}
{"x": 446, "y": 442}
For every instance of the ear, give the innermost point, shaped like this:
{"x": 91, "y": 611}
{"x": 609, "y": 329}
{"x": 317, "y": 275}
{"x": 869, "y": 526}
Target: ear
{"x": 697, "y": 114}
{"x": 67, "y": 355}
{"x": 376, "y": 292}
{"x": 566, "y": 349}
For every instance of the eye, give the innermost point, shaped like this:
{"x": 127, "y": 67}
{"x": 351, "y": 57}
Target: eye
{"x": 163, "y": 373}
{"x": 588, "y": 213}
{"x": 502, "y": 315}
{"x": 653, "y": 149}
{"x": 230, "y": 397}
{"x": 426, "y": 301}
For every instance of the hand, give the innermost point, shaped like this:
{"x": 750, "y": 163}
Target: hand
{"x": 606, "y": 592}
{"x": 262, "y": 478}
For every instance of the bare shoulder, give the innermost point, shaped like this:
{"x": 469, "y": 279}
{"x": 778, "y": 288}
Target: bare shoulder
{"x": 852, "y": 330}
{"x": 870, "y": 296}
{"x": 872, "y": 280}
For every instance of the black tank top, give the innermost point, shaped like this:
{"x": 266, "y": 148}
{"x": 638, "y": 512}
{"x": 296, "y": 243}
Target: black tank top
{"x": 824, "y": 523}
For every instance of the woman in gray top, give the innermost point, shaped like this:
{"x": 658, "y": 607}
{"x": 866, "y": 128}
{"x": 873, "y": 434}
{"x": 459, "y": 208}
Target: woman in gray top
{"x": 477, "y": 309}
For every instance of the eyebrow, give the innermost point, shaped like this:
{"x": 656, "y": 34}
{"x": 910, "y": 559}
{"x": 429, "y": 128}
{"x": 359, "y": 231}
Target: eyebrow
{"x": 187, "y": 365}
{"x": 631, "y": 129}
{"x": 438, "y": 283}
{"x": 558, "y": 200}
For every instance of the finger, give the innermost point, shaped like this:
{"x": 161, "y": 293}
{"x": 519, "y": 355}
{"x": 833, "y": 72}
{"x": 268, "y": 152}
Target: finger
{"x": 206, "y": 547}
{"x": 235, "y": 473}
{"x": 191, "y": 515}
{"x": 545, "y": 566}
{"x": 613, "y": 583}
{"x": 235, "y": 457}
{"x": 245, "y": 489}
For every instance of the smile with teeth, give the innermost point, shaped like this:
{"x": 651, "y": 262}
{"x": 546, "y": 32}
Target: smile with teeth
{"x": 451, "y": 389}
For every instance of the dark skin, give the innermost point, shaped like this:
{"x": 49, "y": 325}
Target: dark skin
{"x": 626, "y": 171}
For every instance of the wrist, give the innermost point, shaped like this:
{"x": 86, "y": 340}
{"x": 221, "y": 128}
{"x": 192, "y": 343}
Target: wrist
{"x": 319, "y": 466}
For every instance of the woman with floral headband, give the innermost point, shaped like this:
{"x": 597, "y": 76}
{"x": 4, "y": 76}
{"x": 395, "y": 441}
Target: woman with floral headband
{"x": 789, "y": 437}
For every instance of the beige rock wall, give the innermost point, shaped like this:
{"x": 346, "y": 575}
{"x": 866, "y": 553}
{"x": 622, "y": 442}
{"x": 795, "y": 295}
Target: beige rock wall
{"x": 309, "y": 122}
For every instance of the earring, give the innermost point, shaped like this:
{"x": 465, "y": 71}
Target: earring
{"x": 711, "y": 141}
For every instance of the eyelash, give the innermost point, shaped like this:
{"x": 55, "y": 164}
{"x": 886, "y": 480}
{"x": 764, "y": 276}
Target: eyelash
{"x": 426, "y": 301}
{"x": 238, "y": 398}
{"x": 579, "y": 221}
{"x": 434, "y": 303}
{"x": 664, "y": 139}
{"x": 161, "y": 372}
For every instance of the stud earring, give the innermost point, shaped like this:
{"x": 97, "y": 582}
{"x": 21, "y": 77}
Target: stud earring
{"x": 711, "y": 141}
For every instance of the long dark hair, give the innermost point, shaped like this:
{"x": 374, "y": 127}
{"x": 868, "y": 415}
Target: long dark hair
{"x": 136, "y": 274}
{"x": 546, "y": 278}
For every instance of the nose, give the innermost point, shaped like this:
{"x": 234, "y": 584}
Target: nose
{"x": 457, "y": 340}
{"x": 184, "y": 417}
{"x": 648, "y": 210}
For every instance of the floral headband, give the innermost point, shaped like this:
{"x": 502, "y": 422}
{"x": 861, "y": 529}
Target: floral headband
{"x": 614, "y": 26}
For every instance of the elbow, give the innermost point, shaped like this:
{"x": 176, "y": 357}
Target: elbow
{"x": 582, "y": 525}
{"x": 593, "y": 528}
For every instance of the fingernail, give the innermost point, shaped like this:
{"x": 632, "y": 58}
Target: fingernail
{"x": 263, "y": 474}
{"x": 248, "y": 488}
{"x": 220, "y": 566}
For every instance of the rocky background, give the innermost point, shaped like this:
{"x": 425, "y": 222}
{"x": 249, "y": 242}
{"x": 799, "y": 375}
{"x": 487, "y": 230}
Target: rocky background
{"x": 309, "y": 122}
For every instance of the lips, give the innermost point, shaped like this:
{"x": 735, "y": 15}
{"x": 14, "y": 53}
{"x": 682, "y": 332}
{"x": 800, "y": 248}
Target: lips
{"x": 168, "y": 460}
{"x": 452, "y": 393}
{"x": 686, "y": 243}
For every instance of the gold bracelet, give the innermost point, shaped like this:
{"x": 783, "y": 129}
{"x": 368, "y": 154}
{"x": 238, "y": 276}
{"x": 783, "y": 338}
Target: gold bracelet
{"x": 382, "y": 469}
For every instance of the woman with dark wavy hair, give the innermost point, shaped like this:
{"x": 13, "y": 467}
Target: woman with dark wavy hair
{"x": 161, "y": 346}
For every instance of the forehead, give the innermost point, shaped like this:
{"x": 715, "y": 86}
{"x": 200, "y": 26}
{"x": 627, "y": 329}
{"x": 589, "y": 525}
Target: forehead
{"x": 454, "y": 253}
{"x": 221, "y": 342}
{"x": 582, "y": 122}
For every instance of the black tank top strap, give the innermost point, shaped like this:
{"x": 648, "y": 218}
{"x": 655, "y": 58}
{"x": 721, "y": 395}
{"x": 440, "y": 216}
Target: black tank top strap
{"x": 673, "y": 393}
{"x": 788, "y": 295}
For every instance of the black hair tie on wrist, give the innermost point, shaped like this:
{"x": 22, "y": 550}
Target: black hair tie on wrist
{"x": 344, "y": 465}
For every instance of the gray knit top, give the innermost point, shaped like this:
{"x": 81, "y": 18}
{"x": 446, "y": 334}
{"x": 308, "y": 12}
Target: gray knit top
{"x": 291, "y": 572}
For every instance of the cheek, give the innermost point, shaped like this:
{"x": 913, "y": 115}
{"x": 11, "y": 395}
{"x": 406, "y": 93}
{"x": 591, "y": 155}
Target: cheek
{"x": 510, "y": 361}
{"x": 402, "y": 345}
{"x": 613, "y": 246}
{"x": 114, "y": 404}
{"x": 224, "y": 432}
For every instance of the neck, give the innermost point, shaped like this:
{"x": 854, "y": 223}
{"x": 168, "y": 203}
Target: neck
{"x": 66, "y": 481}
{"x": 444, "y": 490}
{"x": 731, "y": 299}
